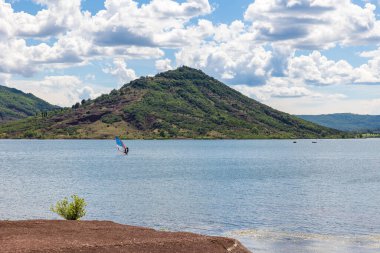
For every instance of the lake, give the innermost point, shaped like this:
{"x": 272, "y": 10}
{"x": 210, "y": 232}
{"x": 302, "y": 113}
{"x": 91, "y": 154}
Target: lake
{"x": 273, "y": 195}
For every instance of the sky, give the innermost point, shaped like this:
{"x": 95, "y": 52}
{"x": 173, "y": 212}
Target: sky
{"x": 298, "y": 56}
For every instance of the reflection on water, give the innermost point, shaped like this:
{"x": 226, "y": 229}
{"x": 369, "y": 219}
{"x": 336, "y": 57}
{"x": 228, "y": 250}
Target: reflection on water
{"x": 210, "y": 187}
{"x": 278, "y": 241}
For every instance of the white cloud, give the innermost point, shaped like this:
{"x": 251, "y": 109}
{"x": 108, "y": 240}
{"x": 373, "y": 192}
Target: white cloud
{"x": 121, "y": 71}
{"x": 15, "y": 58}
{"x": 254, "y": 54}
{"x": 306, "y": 72}
{"x": 86, "y": 92}
{"x": 316, "y": 69}
{"x": 123, "y": 29}
{"x": 326, "y": 105}
{"x": 266, "y": 92}
{"x": 58, "y": 17}
{"x": 299, "y": 99}
{"x": 6, "y": 28}
{"x": 311, "y": 24}
{"x": 233, "y": 57}
{"x": 90, "y": 77}
{"x": 163, "y": 65}
{"x": 283, "y": 88}
{"x": 19, "y": 58}
{"x": 59, "y": 90}
{"x": 157, "y": 23}
{"x": 4, "y": 79}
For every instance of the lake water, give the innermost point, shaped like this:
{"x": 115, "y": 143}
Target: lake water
{"x": 273, "y": 195}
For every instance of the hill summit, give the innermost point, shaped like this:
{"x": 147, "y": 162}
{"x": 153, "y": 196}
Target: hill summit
{"x": 181, "y": 103}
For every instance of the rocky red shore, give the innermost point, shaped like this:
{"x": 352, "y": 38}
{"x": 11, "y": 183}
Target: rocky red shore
{"x": 104, "y": 236}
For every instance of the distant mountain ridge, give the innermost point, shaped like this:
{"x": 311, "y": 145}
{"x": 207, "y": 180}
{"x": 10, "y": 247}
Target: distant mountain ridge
{"x": 181, "y": 103}
{"x": 15, "y": 104}
{"x": 346, "y": 121}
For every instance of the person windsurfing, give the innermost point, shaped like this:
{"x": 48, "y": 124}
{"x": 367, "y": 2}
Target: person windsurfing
{"x": 121, "y": 147}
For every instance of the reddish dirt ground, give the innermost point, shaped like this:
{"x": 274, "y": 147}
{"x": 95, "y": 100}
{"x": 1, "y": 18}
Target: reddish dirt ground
{"x": 104, "y": 236}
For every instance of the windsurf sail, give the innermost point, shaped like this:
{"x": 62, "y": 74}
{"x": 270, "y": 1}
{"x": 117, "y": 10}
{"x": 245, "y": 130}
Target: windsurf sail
{"x": 120, "y": 145}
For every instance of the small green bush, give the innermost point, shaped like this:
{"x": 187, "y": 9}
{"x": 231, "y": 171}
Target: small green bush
{"x": 70, "y": 211}
{"x": 111, "y": 118}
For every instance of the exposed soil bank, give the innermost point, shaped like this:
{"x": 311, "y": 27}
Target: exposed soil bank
{"x": 104, "y": 236}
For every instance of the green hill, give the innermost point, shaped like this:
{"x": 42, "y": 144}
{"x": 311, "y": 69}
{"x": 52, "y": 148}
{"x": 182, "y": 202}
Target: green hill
{"x": 346, "y": 121}
{"x": 183, "y": 103}
{"x": 15, "y": 104}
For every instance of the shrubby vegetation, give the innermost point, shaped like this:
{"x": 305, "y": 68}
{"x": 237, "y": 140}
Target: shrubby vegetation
{"x": 73, "y": 210}
{"x": 111, "y": 118}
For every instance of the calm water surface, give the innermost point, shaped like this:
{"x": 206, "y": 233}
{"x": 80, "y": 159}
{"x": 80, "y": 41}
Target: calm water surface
{"x": 273, "y": 195}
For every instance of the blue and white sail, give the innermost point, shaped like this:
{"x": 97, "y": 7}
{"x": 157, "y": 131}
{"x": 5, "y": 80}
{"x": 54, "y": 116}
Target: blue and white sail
{"x": 120, "y": 145}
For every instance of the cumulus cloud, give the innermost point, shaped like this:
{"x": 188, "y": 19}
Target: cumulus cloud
{"x": 326, "y": 105}
{"x": 305, "y": 72}
{"x": 19, "y": 58}
{"x": 6, "y": 27}
{"x": 163, "y": 65}
{"x": 231, "y": 56}
{"x": 121, "y": 71}
{"x": 59, "y": 90}
{"x": 273, "y": 67}
{"x": 316, "y": 69}
{"x": 296, "y": 98}
{"x": 4, "y": 78}
{"x": 311, "y": 24}
{"x": 122, "y": 29}
{"x": 264, "y": 93}
{"x": 86, "y": 92}
{"x": 283, "y": 88}
{"x": 264, "y": 47}
{"x": 153, "y": 24}
{"x": 58, "y": 17}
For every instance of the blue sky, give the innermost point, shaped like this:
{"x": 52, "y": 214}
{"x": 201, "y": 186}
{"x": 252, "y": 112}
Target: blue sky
{"x": 298, "y": 56}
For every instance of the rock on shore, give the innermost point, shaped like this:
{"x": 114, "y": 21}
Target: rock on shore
{"x": 104, "y": 236}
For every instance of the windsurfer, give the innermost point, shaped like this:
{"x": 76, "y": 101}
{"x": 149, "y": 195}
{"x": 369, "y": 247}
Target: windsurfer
{"x": 121, "y": 147}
